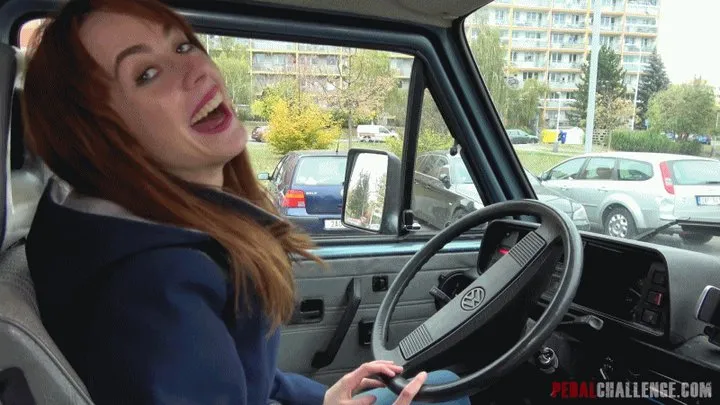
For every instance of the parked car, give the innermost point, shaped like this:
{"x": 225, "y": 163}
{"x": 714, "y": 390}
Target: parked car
{"x": 307, "y": 188}
{"x": 259, "y": 134}
{"x": 374, "y": 133}
{"x": 625, "y": 193}
{"x": 518, "y": 136}
{"x": 444, "y": 192}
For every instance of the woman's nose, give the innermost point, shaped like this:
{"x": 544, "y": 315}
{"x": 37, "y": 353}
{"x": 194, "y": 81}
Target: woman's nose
{"x": 195, "y": 72}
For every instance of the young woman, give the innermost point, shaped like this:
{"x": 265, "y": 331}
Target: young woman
{"x": 161, "y": 269}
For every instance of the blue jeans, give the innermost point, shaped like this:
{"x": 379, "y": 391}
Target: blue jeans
{"x": 386, "y": 397}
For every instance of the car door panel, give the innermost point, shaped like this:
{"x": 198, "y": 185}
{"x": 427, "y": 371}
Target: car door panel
{"x": 300, "y": 342}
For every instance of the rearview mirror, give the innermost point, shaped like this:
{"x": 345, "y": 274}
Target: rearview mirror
{"x": 367, "y": 205}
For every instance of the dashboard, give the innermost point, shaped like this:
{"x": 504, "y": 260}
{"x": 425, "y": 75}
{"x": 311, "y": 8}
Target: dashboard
{"x": 647, "y": 289}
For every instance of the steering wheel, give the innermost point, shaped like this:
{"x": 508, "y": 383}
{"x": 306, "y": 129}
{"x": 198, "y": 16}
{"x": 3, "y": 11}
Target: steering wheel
{"x": 484, "y": 298}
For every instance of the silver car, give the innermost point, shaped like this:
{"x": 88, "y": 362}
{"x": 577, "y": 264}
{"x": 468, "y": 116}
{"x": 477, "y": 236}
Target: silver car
{"x": 625, "y": 193}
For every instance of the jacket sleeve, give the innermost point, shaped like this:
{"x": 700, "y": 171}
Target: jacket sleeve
{"x": 159, "y": 337}
{"x": 295, "y": 389}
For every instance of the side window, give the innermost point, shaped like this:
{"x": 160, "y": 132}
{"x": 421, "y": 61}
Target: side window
{"x": 309, "y": 100}
{"x": 435, "y": 204}
{"x": 634, "y": 170}
{"x": 599, "y": 169}
{"x": 567, "y": 170}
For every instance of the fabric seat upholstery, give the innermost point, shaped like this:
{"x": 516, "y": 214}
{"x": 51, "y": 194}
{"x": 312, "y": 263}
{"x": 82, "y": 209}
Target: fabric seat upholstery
{"x": 25, "y": 345}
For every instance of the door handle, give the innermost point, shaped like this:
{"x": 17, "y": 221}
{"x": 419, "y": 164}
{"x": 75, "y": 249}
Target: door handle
{"x": 309, "y": 311}
{"x": 602, "y": 188}
{"x": 323, "y": 358}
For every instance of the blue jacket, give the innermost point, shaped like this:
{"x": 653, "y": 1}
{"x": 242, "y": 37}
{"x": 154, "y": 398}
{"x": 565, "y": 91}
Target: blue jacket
{"x": 144, "y": 312}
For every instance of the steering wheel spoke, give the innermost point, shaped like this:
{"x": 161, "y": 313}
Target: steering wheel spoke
{"x": 477, "y": 304}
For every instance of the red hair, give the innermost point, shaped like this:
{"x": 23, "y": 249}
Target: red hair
{"x": 71, "y": 126}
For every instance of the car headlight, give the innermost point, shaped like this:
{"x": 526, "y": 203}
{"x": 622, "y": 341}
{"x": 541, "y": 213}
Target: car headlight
{"x": 579, "y": 214}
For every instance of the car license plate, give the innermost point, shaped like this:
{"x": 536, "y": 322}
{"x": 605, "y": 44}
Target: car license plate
{"x": 333, "y": 224}
{"x": 708, "y": 200}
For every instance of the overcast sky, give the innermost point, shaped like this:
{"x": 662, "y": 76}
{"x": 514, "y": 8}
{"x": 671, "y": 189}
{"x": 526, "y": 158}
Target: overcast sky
{"x": 689, "y": 39}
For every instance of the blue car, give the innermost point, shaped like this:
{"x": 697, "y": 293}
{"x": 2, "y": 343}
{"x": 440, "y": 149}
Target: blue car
{"x": 307, "y": 188}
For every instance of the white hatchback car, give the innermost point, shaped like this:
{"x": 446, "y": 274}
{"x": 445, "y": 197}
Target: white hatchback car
{"x": 625, "y": 193}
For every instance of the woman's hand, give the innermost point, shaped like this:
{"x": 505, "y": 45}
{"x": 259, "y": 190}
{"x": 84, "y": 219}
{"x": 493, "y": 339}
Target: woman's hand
{"x": 343, "y": 391}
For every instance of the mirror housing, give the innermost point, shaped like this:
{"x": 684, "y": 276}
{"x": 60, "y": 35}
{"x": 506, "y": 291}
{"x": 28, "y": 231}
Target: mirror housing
{"x": 263, "y": 176}
{"x": 367, "y": 204}
{"x": 544, "y": 176}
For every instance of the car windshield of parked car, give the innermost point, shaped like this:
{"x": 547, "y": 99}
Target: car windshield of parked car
{"x": 637, "y": 142}
{"x": 320, "y": 171}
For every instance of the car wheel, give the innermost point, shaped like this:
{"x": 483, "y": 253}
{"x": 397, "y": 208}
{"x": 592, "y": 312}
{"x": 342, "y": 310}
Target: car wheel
{"x": 620, "y": 223}
{"x": 695, "y": 239}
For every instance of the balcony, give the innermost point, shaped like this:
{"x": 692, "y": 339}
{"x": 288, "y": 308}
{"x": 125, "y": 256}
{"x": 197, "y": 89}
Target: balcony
{"x": 641, "y": 8}
{"x": 565, "y": 65}
{"x": 562, "y": 85}
{"x": 638, "y": 48}
{"x": 530, "y": 43}
{"x": 530, "y": 23}
{"x": 273, "y": 68}
{"x": 532, "y": 64}
{"x": 263, "y": 45}
{"x": 558, "y": 103}
{"x": 569, "y": 25}
{"x": 319, "y": 48}
{"x": 567, "y": 45}
{"x": 534, "y": 3}
{"x": 611, "y": 27}
{"x": 643, "y": 29}
{"x": 571, "y": 4}
{"x": 634, "y": 67}
{"x": 499, "y": 22}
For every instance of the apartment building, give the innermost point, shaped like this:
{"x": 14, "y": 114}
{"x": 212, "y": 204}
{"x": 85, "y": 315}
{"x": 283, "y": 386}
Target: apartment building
{"x": 546, "y": 40}
{"x": 549, "y": 40}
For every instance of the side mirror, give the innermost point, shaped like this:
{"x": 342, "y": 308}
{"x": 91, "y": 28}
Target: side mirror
{"x": 544, "y": 176}
{"x": 444, "y": 176}
{"x": 263, "y": 176}
{"x": 367, "y": 205}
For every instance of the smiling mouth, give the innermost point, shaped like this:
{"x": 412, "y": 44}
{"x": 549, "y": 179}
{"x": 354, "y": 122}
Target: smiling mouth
{"x": 213, "y": 117}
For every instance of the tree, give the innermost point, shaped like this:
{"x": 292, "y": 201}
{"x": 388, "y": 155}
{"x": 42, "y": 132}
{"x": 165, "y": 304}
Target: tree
{"x": 358, "y": 196}
{"x": 524, "y": 102}
{"x": 684, "y": 109}
{"x": 612, "y": 113}
{"x": 233, "y": 60}
{"x": 363, "y": 85}
{"x": 491, "y": 58}
{"x": 296, "y": 121}
{"x": 610, "y": 84}
{"x": 653, "y": 81}
{"x": 284, "y": 90}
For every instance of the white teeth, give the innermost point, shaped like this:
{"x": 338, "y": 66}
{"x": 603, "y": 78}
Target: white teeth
{"x": 209, "y": 106}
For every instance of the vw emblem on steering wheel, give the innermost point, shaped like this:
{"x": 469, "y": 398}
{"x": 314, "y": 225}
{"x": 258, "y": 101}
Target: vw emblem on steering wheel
{"x": 472, "y": 299}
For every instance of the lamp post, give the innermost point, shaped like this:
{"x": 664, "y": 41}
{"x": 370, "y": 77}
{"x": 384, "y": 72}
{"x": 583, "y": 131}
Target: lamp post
{"x": 592, "y": 86}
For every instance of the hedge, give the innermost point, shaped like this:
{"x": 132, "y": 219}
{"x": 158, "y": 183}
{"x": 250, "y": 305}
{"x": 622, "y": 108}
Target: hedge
{"x": 648, "y": 141}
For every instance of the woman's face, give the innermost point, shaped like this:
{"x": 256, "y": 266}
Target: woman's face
{"x": 169, "y": 93}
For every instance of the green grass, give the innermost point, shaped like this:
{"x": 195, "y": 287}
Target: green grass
{"x": 537, "y": 162}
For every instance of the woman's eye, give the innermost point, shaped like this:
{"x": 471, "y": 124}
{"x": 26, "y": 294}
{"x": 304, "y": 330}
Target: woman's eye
{"x": 146, "y": 76}
{"x": 185, "y": 47}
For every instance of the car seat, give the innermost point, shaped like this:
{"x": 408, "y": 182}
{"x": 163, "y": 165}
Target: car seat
{"x": 32, "y": 369}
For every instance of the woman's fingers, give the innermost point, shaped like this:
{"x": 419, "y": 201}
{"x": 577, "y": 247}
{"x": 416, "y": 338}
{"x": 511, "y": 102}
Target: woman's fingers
{"x": 353, "y": 379}
{"x": 407, "y": 395}
{"x": 368, "y": 383}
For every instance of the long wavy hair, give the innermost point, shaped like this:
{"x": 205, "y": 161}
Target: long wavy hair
{"x": 71, "y": 126}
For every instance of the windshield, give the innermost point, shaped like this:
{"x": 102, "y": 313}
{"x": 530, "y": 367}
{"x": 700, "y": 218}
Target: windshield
{"x": 460, "y": 173}
{"x": 612, "y": 113}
